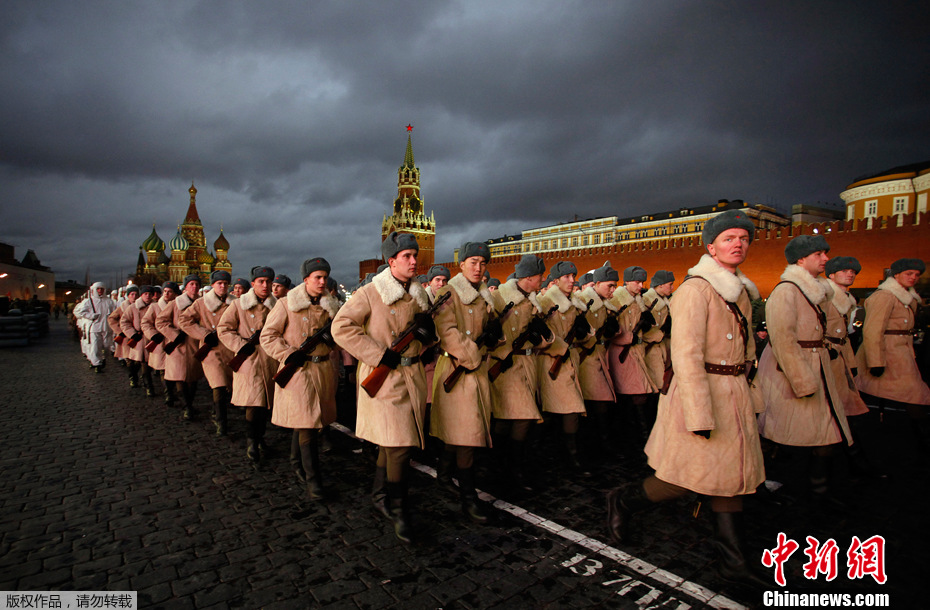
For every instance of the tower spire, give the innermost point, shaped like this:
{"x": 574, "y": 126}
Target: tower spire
{"x": 408, "y": 156}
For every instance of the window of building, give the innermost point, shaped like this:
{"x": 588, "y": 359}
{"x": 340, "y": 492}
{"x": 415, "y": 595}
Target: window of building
{"x": 564, "y": 242}
{"x": 574, "y": 242}
{"x": 900, "y": 205}
{"x": 596, "y": 239}
{"x": 871, "y": 208}
{"x": 584, "y": 240}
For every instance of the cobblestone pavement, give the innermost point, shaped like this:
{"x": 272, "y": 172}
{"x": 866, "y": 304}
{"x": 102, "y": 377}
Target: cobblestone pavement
{"x": 103, "y": 489}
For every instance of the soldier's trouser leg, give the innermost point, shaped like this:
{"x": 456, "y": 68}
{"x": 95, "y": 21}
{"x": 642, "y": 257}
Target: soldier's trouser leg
{"x": 254, "y": 418}
{"x": 516, "y": 457}
{"x": 600, "y": 410}
{"x": 95, "y": 350}
{"x": 396, "y": 461}
{"x": 133, "y": 368}
{"x": 570, "y": 422}
{"x": 189, "y": 390}
{"x": 171, "y": 397}
{"x": 920, "y": 425}
{"x": 444, "y": 467}
{"x": 220, "y": 409}
{"x": 295, "y": 457}
{"x": 310, "y": 457}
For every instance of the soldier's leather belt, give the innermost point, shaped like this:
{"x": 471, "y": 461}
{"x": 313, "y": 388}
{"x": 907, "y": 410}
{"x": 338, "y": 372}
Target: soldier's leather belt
{"x": 405, "y": 361}
{"x": 725, "y": 369}
{"x": 318, "y": 359}
{"x": 530, "y": 351}
{"x": 811, "y": 344}
{"x": 899, "y": 332}
{"x": 836, "y": 340}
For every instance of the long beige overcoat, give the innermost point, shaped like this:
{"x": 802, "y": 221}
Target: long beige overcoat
{"x": 156, "y": 356}
{"x": 513, "y": 393}
{"x": 729, "y": 463}
{"x": 630, "y": 376}
{"x": 594, "y": 371}
{"x": 180, "y": 364}
{"x": 369, "y": 322}
{"x": 309, "y": 398}
{"x": 891, "y": 307}
{"x": 655, "y": 342}
{"x": 837, "y": 307}
{"x": 802, "y": 406}
{"x": 130, "y": 323}
{"x": 252, "y": 383}
{"x": 201, "y": 319}
{"x": 113, "y": 320}
{"x": 563, "y": 394}
{"x": 463, "y": 415}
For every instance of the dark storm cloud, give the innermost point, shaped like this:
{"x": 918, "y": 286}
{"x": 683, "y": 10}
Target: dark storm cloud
{"x": 289, "y": 116}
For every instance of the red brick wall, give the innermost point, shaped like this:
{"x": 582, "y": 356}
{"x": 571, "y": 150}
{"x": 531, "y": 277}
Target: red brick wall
{"x": 875, "y": 248}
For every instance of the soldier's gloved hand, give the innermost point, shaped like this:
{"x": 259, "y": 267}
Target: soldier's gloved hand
{"x": 704, "y": 433}
{"x": 581, "y": 326}
{"x": 610, "y": 328}
{"x": 539, "y": 331}
{"x": 493, "y": 332}
{"x": 247, "y": 350}
{"x": 854, "y": 371}
{"x": 426, "y": 328}
{"x": 877, "y": 371}
{"x": 211, "y": 339}
{"x": 137, "y": 336}
{"x": 647, "y": 320}
{"x": 390, "y": 359}
{"x": 298, "y": 358}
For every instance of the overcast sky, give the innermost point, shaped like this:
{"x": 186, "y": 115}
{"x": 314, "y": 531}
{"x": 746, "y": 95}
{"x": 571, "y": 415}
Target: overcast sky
{"x": 290, "y": 117}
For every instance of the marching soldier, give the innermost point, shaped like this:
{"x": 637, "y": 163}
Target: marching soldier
{"x": 594, "y": 371}
{"x": 514, "y": 389}
{"x": 560, "y": 392}
{"x": 802, "y": 405}
{"x": 887, "y": 366}
{"x": 307, "y": 402}
{"x": 131, "y": 293}
{"x": 626, "y": 353}
{"x": 239, "y": 331}
{"x": 131, "y": 326}
{"x": 95, "y": 310}
{"x": 656, "y": 339}
{"x": 461, "y": 416}
{"x": 280, "y": 286}
{"x": 705, "y": 438}
{"x": 393, "y": 416}
{"x": 155, "y": 341}
{"x": 199, "y": 321}
{"x": 239, "y": 287}
{"x": 181, "y": 367}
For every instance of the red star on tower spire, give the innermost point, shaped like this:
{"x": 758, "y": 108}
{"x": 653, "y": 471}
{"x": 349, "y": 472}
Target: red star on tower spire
{"x": 409, "y": 127}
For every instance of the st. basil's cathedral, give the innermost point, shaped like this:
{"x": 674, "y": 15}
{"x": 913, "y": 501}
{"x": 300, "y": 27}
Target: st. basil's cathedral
{"x": 188, "y": 252}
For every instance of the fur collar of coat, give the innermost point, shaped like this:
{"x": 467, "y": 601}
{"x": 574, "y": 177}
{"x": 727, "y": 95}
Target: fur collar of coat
{"x": 815, "y": 289}
{"x": 183, "y": 301}
{"x": 622, "y": 298}
{"x": 250, "y": 300}
{"x": 299, "y": 300}
{"x": 212, "y": 301}
{"x": 651, "y": 297}
{"x": 468, "y": 293}
{"x": 841, "y": 299}
{"x": 554, "y": 296}
{"x": 391, "y": 291}
{"x": 727, "y": 285}
{"x": 510, "y": 292}
{"x": 582, "y": 297}
{"x": 162, "y": 303}
{"x": 140, "y": 304}
{"x": 905, "y": 295}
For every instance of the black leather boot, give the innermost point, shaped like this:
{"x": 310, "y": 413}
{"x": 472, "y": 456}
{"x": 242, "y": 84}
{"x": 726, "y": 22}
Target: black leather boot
{"x": 397, "y": 510}
{"x": 444, "y": 471}
{"x": 171, "y": 397}
{"x": 310, "y": 457}
{"x": 189, "y": 390}
{"x": 574, "y": 464}
{"x": 252, "y": 451}
{"x": 471, "y": 506}
{"x": 220, "y": 410}
{"x": 379, "y": 491}
{"x": 622, "y": 503}
{"x": 133, "y": 367}
{"x": 147, "y": 381}
{"x": 516, "y": 466}
{"x": 295, "y": 458}
{"x": 732, "y": 566}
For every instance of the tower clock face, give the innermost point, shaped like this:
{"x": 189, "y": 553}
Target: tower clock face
{"x": 398, "y": 204}
{"x": 414, "y": 205}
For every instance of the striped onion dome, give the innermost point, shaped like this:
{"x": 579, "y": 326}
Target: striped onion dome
{"x": 153, "y": 242}
{"x": 178, "y": 242}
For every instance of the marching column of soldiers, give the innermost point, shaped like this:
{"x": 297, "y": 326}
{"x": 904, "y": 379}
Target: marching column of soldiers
{"x": 679, "y": 373}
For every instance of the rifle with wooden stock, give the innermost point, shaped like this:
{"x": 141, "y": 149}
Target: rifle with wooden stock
{"x": 502, "y": 365}
{"x": 208, "y": 345}
{"x": 376, "y": 378}
{"x": 245, "y": 351}
{"x": 572, "y": 336}
{"x": 599, "y": 335}
{"x": 646, "y": 321}
{"x": 483, "y": 339}
{"x": 323, "y": 335}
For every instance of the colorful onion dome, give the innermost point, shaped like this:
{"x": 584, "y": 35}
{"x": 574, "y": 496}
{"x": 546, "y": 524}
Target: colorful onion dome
{"x": 178, "y": 242}
{"x": 153, "y": 242}
{"x": 205, "y": 258}
{"x": 221, "y": 243}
